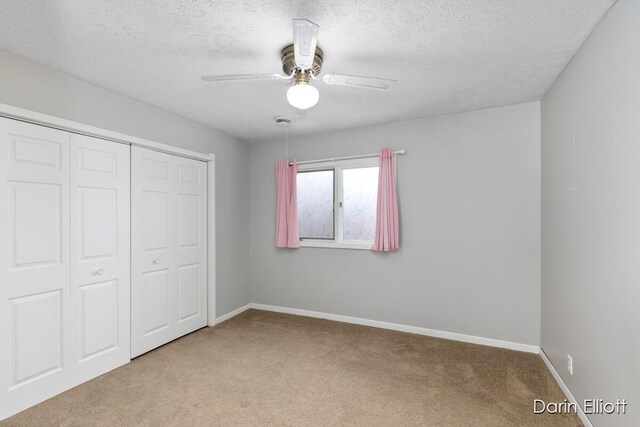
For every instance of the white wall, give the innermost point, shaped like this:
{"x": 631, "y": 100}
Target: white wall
{"x": 591, "y": 216}
{"x": 469, "y": 192}
{"x": 31, "y": 86}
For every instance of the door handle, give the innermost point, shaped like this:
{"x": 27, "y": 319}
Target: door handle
{"x": 99, "y": 272}
{"x": 156, "y": 261}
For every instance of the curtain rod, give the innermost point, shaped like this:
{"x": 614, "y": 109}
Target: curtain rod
{"x": 361, "y": 156}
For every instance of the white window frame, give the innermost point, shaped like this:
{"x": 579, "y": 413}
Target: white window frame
{"x": 338, "y": 166}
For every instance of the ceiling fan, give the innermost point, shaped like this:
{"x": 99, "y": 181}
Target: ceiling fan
{"x": 302, "y": 64}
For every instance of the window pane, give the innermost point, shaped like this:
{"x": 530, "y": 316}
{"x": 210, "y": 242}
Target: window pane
{"x": 315, "y": 204}
{"x": 360, "y": 195}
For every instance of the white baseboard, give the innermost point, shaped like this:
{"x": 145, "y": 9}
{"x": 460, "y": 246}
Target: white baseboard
{"x": 570, "y": 397}
{"x": 402, "y": 328}
{"x": 231, "y": 314}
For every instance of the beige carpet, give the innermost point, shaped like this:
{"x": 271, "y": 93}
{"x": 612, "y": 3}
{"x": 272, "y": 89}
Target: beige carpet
{"x": 263, "y": 368}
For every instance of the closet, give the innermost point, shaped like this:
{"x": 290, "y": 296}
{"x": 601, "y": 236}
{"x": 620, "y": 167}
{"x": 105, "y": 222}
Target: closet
{"x": 103, "y": 256}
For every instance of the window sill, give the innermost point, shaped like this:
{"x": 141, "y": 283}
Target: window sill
{"x": 330, "y": 244}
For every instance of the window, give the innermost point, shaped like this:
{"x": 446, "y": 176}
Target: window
{"x": 315, "y": 204}
{"x": 337, "y": 203}
{"x": 359, "y": 198}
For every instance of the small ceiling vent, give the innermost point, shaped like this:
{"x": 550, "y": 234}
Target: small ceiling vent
{"x": 282, "y": 121}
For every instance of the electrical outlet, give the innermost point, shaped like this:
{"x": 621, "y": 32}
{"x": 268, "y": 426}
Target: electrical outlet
{"x": 570, "y": 364}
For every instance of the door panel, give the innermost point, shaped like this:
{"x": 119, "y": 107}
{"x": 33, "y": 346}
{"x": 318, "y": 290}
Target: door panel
{"x": 188, "y": 292}
{"x": 189, "y": 232}
{"x": 37, "y": 347}
{"x": 98, "y": 319}
{"x": 188, "y": 174}
{"x": 155, "y": 169}
{"x": 155, "y": 211}
{"x": 94, "y": 161}
{"x": 98, "y": 223}
{"x": 155, "y": 302}
{"x": 32, "y": 151}
{"x": 35, "y": 219}
{"x": 168, "y": 217}
{"x": 34, "y": 264}
{"x": 100, "y": 256}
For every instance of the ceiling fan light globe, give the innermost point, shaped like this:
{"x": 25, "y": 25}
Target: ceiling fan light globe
{"x": 303, "y": 96}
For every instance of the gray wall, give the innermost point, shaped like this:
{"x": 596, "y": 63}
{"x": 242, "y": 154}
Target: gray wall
{"x": 591, "y": 216}
{"x": 469, "y": 262}
{"x": 34, "y": 87}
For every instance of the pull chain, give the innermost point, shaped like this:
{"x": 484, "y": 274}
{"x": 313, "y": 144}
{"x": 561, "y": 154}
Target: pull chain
{"x": 287, "y": 142}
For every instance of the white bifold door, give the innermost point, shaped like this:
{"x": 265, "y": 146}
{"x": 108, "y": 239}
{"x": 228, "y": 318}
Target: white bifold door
{"x": 34, "y": 264}
{"x": 100, "y": 257}
{"x": 64, "y": 261}
{"x": 168, "y": 248}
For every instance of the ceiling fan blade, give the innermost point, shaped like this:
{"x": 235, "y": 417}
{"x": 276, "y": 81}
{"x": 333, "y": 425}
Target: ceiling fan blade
{"x": 305, "y": 38}
{"x": 357, "y": 81}
{"x": 241, "y": 77}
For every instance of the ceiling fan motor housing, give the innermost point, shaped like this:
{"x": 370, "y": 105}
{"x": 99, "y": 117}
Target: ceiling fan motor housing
{"x": 289, "y": 60}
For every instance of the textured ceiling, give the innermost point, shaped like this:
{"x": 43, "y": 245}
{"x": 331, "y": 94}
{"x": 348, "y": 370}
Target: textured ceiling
{"x": 448, "y": 55}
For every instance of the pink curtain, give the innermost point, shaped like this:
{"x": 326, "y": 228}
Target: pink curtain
{"x": 287, "y": 233}
{"x": 387, "y": 228}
